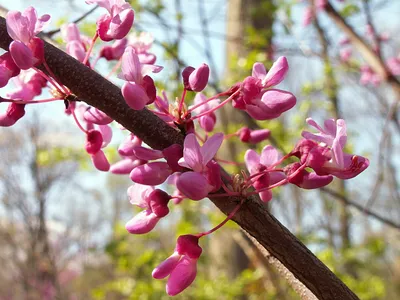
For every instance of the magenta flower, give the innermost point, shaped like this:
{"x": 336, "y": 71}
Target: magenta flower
{"x": 115, "y": 51}
{"x": 207, "y": 122}
{"x": 139, "y": 90}
{"x": 116, "y": 24}
{"x": 13, "y": 113}
{"x": 199, "y": 159}
{"x": 247, "y": 135}
{"x": 142, "y": 43}
{"x": 274, "y": 76}
{"x": 155, "y": 205}
{"x": 257, "y": 99}
{"x": 27, "y": 50}
{"x": 74, "y": 43}
{"x": 328, "y": 157}
{"x": 181, "y": 266}
{"x": 8, "y": 69}
{"x": 262, "y": 163}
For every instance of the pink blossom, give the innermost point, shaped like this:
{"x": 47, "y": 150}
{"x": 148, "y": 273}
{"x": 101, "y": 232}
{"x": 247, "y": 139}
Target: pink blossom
{"x": 328, "y": 157}
{"x": 8, "y": 69}
{"x": 13, "y": 113}
{"x": 27, "y": 50}
{"x": 207, "y": 122}
{"x": 96, "y": 116}
{"x": 115, "y": 51}
{"x": 181, "y": 266}
{"x": 139, "y": 90}
{"x": 116, "y": 24}
{"x": 262, "y": 164}
{"x": 247, "y": 135}
{"x": 142, "y": 43}
{"x": 274, "y": 76}
{"x": 304, "y": 179}
{"x": 152, "y": 173}
{"x": 199, "y": 159}
{"x": 28, "y": 85}
{"x": 155, "y": 205}
{"x": 198, "y": 78}
{"x": 75, "y": 45}
{"x": 100, "y": 161}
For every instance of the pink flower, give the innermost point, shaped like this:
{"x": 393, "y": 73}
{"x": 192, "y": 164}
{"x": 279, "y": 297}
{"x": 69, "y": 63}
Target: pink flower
{"x": 142, "y": 43}
{"x": 12, "y": 115}
{"x": 152, "y": 173}
{"x": 75, "y": 45}
{"x": 257, "y": 99}
{"x": 28, "y": 85}
{"x": 199, "y": 159}
{"x": 181, "y": 266}
{"x": 247, "y": 135}
{"x": 196, "y": 79}
{"x": 139, "y": 90}
{"x": 262, "y": 164}
{"x": 27, "y": 50}
{"x": 328, "y": 157}
{"x": 8, "y": 69}
{"x": 305, "y": 179}
{"x": 274, "y": 76}
{"x": 155, "y": 205}
{"x": 96, "y": 116}
{"x": 116, "y": 24}
{"x": 115, "y": 51}
{"x": 207, "y": 122}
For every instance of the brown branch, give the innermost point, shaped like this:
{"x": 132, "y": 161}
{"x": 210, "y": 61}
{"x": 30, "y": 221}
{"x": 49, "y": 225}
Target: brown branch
{"x": 253, "y": 216}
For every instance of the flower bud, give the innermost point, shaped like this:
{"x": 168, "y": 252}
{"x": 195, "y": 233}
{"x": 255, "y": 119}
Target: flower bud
{"x": 198, "y": 79}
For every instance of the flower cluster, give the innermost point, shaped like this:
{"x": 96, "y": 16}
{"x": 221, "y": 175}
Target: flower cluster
{"x": 319, "y": 156}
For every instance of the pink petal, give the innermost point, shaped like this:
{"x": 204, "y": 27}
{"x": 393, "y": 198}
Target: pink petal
{"x": 278, "y": 101}
{"x": 121, "y": 24}
{"x": 138, "y": 194}
{"x": 210, "y": 147}
{"x": 130, "y": 142}
{"x": 269, "y": 156}
{"x": 100, "y": 161}
{"x": 277, "y": 72}
{"x": 142, "y": 223}
{"x": 192, "y": 153}
{"x": 252, "y": 159}
{"x": 147, "y": 153}
{"x": 166, "y": 267}
{"x": 198, "y": 191}
{"x": 182, "y": 276}
{"x": 134, "y": 95}
{"x": 259, "y": 71}
{"x": 96, "y": 116}
{"x": 131, "y": 67}
{"x": 107, "y": 133}
{"x": 198, "y": 79}
{"x": 126, "y": 166}
{"x": 153, "y": 173}
{"x": 314, "y": 181}
{"x": 22, "y": 55}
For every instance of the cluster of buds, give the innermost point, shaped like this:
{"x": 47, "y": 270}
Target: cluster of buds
{"x": 320, "y": 155}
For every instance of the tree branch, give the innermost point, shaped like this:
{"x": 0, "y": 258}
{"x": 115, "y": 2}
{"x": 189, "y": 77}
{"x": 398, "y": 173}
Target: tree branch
{"x": 252, "y": 217}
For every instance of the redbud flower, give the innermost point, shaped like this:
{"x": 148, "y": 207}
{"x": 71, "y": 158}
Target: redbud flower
{"x": 196, "y": 79}
{"x": 8, "y": 69}
{"x": 96, "y": 116}
{"x": 139, "y": 89}
{"x": 274, "y": 76}
{"x": 12, "y": 115}
{"x": 27, "y": 50}
{"x": 247, "y": 135}
{"x": 116, "y": 24}
{"x": 75, "y": 46}
{"x": 155, "y": 205}
{"x": 181, "y": 266}
{"x": 142, "y": 43}
{"x": 28, "y": 85}
{"x": 305, "y": 179}
{"x": 115, "y": 51}
{"x": 198, "y": 159}
{"x": 207, "y": 122}
{"x": 256, "y": 164}
{"x": 152, "y": 173}
{"x": 328, "y": 157}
